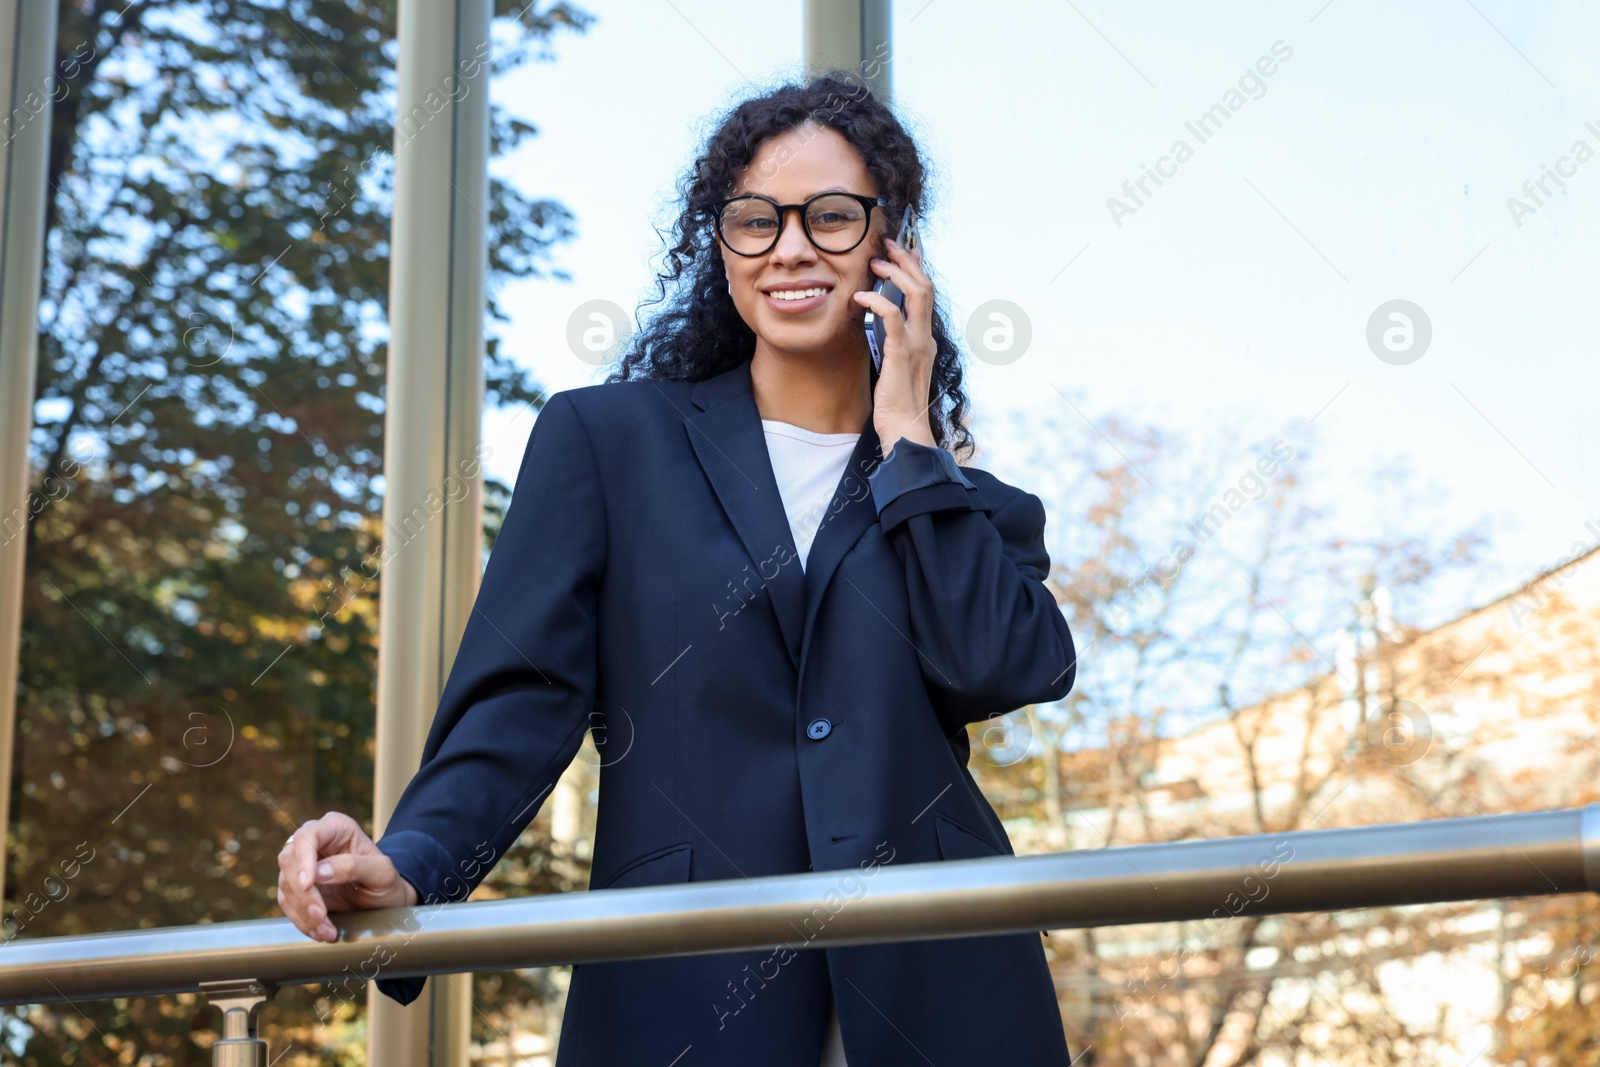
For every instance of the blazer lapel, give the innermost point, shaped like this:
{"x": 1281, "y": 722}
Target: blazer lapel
{"x": 849, "y": 514}
{"x": 728, "y": 440}
{"x": 725, "y": 430}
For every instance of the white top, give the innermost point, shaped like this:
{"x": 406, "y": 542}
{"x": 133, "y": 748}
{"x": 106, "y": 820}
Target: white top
{"x": 808, "y": 466}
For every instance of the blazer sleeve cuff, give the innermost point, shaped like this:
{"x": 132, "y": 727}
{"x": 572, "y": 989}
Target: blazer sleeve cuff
{"x": 916, "y": 478}
{"x": 423, "y": 862}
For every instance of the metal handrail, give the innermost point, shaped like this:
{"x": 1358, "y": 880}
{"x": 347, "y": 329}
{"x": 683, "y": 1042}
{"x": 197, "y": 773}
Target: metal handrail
{"x": 1480, "y": 857}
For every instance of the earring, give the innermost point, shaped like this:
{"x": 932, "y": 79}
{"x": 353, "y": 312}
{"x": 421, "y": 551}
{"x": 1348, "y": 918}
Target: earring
{"x": 730, "y": 286}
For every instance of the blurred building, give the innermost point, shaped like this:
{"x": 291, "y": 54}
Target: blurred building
{"x": 1494, "y": 711}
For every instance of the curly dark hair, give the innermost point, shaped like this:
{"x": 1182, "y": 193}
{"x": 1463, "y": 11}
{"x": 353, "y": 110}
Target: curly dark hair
{"x": 699, "y": 332}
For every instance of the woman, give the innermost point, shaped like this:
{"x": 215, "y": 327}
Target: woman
{"x": 747, "y": 563}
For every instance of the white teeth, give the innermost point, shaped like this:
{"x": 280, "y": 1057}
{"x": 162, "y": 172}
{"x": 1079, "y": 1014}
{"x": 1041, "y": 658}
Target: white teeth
{"x": 795, "y": 294}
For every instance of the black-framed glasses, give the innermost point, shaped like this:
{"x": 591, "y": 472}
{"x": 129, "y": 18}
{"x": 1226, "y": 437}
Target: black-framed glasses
{"x": 835, "y": 222}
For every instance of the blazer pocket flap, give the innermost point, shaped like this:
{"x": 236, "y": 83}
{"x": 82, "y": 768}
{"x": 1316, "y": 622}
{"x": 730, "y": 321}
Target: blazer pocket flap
{"x": 956, "y": 842}
{"x": 670, "y": 863}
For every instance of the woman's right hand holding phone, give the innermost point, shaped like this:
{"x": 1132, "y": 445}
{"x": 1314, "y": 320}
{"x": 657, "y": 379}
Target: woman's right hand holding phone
{"x": 330, "y": 864}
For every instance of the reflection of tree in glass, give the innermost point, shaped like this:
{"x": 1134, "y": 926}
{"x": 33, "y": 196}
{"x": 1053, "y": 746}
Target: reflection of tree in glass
{"x": 212, "y": 350}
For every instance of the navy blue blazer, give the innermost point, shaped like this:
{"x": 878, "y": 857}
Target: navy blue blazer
{"x": 752, "y": 718}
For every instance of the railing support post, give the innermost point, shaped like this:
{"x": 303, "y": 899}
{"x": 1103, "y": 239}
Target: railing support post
{"x": 239, "y": 1001}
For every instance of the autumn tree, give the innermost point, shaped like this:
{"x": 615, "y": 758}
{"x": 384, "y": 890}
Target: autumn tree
{"x": 1248, "y": 666}
{"x": 197, "y": 659}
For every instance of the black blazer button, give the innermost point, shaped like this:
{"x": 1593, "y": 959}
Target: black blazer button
{"x": 817, "y": 729}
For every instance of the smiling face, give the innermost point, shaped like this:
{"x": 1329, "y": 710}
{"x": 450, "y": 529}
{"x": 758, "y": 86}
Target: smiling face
{"x": 791, "y": 168}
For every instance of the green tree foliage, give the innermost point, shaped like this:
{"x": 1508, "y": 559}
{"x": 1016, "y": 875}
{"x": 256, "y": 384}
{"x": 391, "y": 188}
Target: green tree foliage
{"x": 198, "y": 648}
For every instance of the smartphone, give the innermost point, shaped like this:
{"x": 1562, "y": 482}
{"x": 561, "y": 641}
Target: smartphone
{"x": 873, "y": 323}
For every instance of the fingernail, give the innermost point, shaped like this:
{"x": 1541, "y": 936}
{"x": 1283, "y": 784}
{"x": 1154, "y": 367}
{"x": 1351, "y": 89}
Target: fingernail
{"x": 324, "y": 870}
{"x": 305, "y": 878}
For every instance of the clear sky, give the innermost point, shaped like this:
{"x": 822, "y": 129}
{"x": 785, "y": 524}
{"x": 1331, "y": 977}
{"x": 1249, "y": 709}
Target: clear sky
{"x": 1373, "y": 164}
